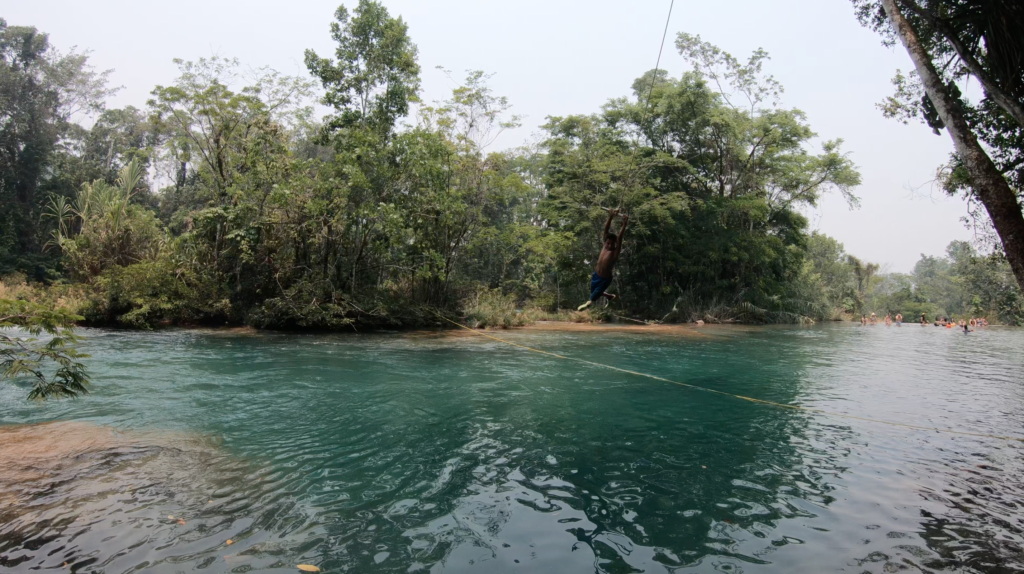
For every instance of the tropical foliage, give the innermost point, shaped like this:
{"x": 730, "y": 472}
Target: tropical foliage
{"x": 227, "y": 200}
{"x": 951, "y": 43}
{"x": 23, "y": 355}
{"x": 714, "y": 177}
{"x": 962, "y": 283}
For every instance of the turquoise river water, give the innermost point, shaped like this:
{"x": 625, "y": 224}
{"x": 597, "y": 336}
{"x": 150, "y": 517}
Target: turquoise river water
{"x": 430, "y": 452}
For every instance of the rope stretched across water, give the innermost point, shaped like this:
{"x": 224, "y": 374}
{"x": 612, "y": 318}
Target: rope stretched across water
{"x": 750, "y": 399}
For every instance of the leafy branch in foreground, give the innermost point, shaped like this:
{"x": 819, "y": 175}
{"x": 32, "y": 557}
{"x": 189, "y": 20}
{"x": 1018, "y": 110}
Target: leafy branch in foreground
{"x": 31, "y": 357}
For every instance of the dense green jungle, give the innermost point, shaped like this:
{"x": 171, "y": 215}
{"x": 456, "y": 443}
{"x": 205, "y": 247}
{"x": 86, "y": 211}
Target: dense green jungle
{"x": 341, "y": 200}
{"x": 281, "y": 293}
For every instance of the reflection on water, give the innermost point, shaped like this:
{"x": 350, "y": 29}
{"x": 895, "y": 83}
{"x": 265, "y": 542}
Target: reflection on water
{"x": 412, "y": 453}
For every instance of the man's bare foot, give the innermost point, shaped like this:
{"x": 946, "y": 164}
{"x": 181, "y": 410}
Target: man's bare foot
{"x": 610, "y": 296}
{"x": 584, "y": 306}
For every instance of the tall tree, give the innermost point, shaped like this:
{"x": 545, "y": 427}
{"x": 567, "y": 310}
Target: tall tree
{"x": 952, "y": 33}
{"x": 721, "y": 173}
{"x": 42, "y": 92}
{"x": 204, "y": 122}
{"x": 375, "y": 74}
{"x": 370, "y": 85}
{"x": 984, "y": 37}
{"x": 28, "y": 132}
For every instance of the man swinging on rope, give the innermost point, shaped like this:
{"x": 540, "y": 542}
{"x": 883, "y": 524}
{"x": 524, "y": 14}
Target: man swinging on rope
{"x": 602, "y": 277}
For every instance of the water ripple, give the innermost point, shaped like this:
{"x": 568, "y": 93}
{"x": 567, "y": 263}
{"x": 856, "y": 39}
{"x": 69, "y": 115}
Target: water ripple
{"x": 435, "y": 453}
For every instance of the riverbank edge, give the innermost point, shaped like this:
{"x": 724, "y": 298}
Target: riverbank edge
{"x": 493, "y": 313}
{"x": 487, "y": 310}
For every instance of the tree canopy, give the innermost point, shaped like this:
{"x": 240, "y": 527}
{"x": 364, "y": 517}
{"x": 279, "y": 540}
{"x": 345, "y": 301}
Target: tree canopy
{"x": 226, "y": 199}
{"x": 950, "y": 42}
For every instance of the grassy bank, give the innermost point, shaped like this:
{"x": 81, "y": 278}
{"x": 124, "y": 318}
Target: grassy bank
{"x": 483, "y": 309}
{"x": 146, "y": 302}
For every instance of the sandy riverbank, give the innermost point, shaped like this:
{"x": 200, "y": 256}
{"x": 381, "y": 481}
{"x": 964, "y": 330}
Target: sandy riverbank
{"x": 686, "y": 330}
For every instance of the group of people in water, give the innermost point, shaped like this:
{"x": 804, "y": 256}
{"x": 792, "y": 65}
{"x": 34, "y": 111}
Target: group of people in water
{"x": 967, "y": 325}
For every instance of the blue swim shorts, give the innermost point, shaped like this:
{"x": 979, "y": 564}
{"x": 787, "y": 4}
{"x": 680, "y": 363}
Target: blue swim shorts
{"x": 598, "y": 285}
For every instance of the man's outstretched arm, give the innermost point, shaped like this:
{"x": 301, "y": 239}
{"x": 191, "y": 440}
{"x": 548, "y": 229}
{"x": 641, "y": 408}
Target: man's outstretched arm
{"x": 622, "y": 231}
{"x": 608, "y": 224}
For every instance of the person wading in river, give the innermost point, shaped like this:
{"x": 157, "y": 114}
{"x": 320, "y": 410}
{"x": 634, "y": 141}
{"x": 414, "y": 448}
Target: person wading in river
{"x": 602, "y": 277}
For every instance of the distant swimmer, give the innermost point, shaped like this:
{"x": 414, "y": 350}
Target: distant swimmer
{"x": 873, "y": 319}
{"x": 863, "y": 320}
{"x": 899, "y": 318}
{"x": 924, "y": 320}
{"x": 888, "y": 319}
{"x": 610, "y": 250}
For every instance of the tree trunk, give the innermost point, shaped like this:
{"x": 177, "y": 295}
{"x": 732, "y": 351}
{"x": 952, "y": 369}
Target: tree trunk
{"x": 992, "y": 89}
{"x": 986, "y": 180}
{"x": 182, "y": 175}
{"x": 558, "y": 293}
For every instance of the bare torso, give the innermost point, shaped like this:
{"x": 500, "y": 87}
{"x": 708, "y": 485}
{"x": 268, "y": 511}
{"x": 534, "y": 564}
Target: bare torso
{"x": 606, "y": 262}
{"x": 611, "y": 246}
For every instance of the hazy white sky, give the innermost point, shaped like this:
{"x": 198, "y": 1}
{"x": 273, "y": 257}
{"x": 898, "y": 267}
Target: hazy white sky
{"x": 559, "y": 57}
